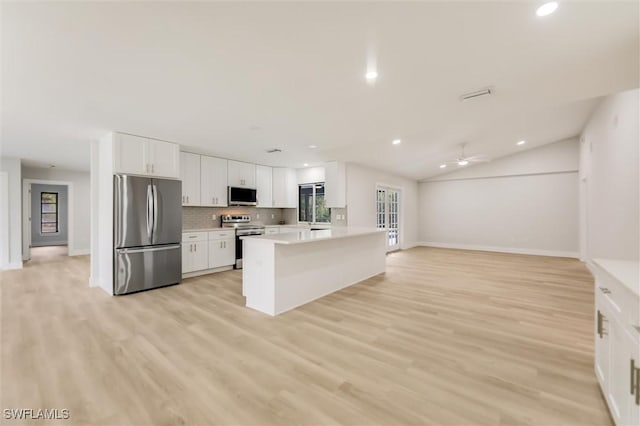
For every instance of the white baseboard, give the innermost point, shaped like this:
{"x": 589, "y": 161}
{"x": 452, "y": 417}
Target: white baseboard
{"x": 79, "y": 252}
{"x": 14, "y": 265}
{"x": 513, "y": 250}
{"x": 410, "y": 245}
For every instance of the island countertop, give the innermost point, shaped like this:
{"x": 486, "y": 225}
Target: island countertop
{"x": 307, "y": 236}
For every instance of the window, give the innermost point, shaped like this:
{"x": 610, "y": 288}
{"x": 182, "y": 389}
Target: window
{"x": 311, "y": 206}
{"x": 48, "y": 212}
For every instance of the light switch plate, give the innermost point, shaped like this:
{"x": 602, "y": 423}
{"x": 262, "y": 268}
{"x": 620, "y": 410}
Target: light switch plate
{"x": 257, "y": 216}
{"x": 213, "y": 217}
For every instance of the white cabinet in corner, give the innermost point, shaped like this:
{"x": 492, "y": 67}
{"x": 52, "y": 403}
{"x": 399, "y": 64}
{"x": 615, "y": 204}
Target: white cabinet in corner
{"x": 144, "y": 156}
{"x": 335, "y": 184}
{"x": 241, "y": 174}
{"x": 190, "y": 175}
{"x": 213, "y": 183}
{"x": 264, "y": 186}
{"x": 285, "y": 188}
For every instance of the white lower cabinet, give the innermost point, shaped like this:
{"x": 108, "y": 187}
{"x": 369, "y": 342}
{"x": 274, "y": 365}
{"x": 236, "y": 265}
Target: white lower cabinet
{"x": 203, "y": 250}
{"x": 617, "y": 343}
{"x": 195, "y": 256}
{"x": 222, "y": 252}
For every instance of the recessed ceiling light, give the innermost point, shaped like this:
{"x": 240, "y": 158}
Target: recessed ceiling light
{"x": 313, "y": 146}
{"x": 521, "y": 142}
{"x": 443, "y": 166}
{"x": 306, "y": 164}
{"x": 396, "y": 142}
{"x": 371, "y": 75}
{"x": 547, "y": 8}
{"x": 463, "y": 163}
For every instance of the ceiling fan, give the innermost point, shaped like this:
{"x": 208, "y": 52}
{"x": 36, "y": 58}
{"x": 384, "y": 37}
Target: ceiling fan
{"x": 463, "y": 159}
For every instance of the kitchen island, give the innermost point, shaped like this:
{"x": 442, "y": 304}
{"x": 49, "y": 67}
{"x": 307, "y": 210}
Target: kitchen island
{"x": 284, "y": 271}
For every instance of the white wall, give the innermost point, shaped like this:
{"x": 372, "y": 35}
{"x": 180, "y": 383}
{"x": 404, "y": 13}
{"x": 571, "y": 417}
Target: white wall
{"x": 361, "y": 200}
{"x": 610, "y": 179}
{"x": 80, "y": 215}
{"x": 13, "y": 203}
{"x": 523, "y": 203}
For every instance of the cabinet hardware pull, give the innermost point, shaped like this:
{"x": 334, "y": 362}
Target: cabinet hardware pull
{"x": 599, "y": 324}
{"x": 195, "y": 247}
{"x": 637, "y": 386}
{"x": 633, "y": 376}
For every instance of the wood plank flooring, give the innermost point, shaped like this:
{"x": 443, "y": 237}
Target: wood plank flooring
{"x": 445, "y": 337}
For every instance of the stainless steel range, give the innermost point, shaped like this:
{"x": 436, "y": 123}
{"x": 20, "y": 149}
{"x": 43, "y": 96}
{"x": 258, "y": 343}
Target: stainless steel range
{"x": 243, "y": 226}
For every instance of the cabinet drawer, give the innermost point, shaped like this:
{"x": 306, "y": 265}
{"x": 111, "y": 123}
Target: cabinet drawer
{"x": 193, "y": 236}
{"x": 221, "y": 235}
{"x": 622, "y": 302}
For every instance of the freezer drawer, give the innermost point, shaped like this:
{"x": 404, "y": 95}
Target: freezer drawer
{"x": 145, "y": 268}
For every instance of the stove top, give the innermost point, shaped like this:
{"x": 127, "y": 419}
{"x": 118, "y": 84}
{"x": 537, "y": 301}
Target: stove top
{"x": 240, "y": 222}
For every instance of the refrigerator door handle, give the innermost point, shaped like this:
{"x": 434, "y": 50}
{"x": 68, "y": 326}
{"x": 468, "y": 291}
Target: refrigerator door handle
{"x": 149, "y": 212}
{"x": 155, "y": 211}
{"x": 140, "y": 250}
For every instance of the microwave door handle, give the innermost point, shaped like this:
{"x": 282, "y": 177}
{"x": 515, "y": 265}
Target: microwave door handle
{"x": 155, "y": 210}
{"x": 149, "y": 212}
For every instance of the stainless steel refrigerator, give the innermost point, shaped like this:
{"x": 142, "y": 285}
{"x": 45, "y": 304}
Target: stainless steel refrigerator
{"x": 147, "y": 233}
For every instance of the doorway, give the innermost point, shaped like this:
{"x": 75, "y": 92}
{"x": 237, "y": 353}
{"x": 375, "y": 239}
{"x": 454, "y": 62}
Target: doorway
{"x": 388, "y": 215}
{"x": 47, "y": 218}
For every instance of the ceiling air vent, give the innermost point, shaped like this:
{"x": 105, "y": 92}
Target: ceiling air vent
{"x": 273, "y": 151}
{"x": 487, "y": 91}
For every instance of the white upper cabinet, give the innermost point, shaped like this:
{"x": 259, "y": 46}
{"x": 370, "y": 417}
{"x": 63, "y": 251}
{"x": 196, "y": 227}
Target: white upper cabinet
{"x": 190, "y": 175}
{"x": 264, "y": 186}
{"x": 285, "y": 188}
{"x": 143, "y": 156}
{"x": 164, "y": 158}
{"x": 335, "y": 184}
{"x": 213, "y": 182}
{"x": 129, "y": 154}
{"x": 241, "y": 174}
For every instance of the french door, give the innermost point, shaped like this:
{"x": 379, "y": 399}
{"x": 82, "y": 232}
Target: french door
{"x": 388, "y": 215}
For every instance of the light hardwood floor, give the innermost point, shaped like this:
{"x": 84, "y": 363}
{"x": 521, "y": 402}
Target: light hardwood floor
{"x": 444, "y": 337}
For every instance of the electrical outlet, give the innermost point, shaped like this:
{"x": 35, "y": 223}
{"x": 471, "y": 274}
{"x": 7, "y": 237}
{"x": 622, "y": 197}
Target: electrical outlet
{"x": 213, "y": 217}
{"x": 257, "y": 216}
{"x": 273, "y": 216}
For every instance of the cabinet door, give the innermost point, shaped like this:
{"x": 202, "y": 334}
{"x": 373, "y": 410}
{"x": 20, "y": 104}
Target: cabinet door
{"x": 190, "y": 175}
{"x": 213, "y": 183}
{"x": 129, "y": 155}
{"x": 222, "y": 252}
{"x": 622, "y": 401}
{"x": 335, "y": 185}
{"x": 164, "y": 158}
{"x": 602, "y": 346}
{"x": 264, "y": 186}
{"x": 285, "y": 188}
{"x": 200, "y": 255}
{"x": 241, "y": 174}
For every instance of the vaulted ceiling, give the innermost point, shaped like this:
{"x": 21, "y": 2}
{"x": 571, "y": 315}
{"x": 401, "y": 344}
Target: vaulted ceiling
{"x": 236, "y": 79}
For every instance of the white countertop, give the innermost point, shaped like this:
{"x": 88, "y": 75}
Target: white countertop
{"x": 306, "y": 236}
{"x": 207, "y": 229}
{"x": 625, "y": 271}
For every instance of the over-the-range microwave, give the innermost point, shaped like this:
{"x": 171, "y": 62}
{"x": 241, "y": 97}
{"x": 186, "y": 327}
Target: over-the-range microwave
{"x": 242, "y": 196}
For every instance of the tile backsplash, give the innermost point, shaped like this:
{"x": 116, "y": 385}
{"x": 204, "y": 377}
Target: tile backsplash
{"x": 201, "y": 217}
